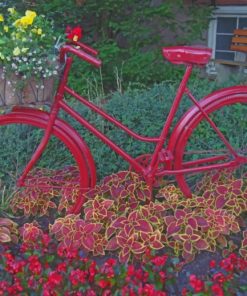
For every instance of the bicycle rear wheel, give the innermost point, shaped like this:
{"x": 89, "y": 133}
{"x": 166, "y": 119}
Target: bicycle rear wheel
{"x": 57, "y": 168}
{"x": 196, "y": 144}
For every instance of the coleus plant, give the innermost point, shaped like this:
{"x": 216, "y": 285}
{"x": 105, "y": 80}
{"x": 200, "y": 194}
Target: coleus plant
{"x": 204, "y": 222}
{"x": 51, "y": 184}
{"x": 119, "y": 215}
{"x": 8, "y": 231}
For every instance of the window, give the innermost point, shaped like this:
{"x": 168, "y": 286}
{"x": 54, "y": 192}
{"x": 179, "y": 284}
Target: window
{"x": 224, "y": 21}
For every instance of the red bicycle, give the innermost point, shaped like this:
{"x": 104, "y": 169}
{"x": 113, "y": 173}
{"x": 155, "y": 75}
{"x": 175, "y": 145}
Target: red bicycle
{"x": 172, "y": 154}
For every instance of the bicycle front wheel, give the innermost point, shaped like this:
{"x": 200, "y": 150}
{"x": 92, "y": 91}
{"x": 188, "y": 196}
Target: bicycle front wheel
{"x": 195, "y": 144}
{"x": 63, "y": 159}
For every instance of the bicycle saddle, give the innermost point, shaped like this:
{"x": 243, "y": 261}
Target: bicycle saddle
{"x": 187, "y": 54}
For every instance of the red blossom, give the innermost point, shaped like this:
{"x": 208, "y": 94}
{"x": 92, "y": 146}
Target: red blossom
{"x": 46, "y": 239}
{"x": 217, "y": 290}
{"x": 91, "y": 292}
{"x": 159, "y": 260}
{"x": 131, "y": 270}
{"x": 162, "y": 275}
{"x": 74, "y": 34}
{"x": 227, "y": 264}
{"x": 92, "y": 271}
{"x": 104, "y": 283}
{"x": 34, "y": 264}
{"x": 111, "y": 262}
{"x": 212, "y": 264}
{"x": 196, "y": 283}
{"x": 61, "y": 267}
{"x": 219, "y": 277}
{"x": 54, "y": 278}
{"x": 77, "y": 276}
{"x": 32, "y": 283}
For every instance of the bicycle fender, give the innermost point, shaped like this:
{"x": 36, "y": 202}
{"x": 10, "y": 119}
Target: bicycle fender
{"x": 209, "y": 103}
{"x": 68, "y": 135}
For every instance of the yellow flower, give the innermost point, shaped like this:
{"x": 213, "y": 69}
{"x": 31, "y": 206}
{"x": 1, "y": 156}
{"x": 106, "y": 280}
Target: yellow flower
{"x": 39, "y": 31}
{"x": 26, "y": 20}
{"x": 24, "y": 49}
{"x": 6, "y": 29}
{"x": 31, "y": 14}
{"x": 1, "y": 18}
{"x": 16, "y": 51}
{"x": 11, "y": 10}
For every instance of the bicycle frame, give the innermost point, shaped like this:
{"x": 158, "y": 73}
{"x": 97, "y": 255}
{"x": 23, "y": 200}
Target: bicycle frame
{"x": 159, "y": 152}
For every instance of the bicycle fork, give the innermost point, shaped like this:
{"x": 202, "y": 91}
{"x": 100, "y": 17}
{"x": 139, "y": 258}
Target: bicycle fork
{"x": 41, "y": 147}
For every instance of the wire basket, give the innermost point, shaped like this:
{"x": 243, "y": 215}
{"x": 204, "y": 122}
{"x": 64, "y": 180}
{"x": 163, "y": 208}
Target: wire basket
{"x": 34, "y": 91}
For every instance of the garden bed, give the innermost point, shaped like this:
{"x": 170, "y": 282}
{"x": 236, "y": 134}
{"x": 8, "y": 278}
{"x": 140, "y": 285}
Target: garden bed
{"x": 88, "y": 254}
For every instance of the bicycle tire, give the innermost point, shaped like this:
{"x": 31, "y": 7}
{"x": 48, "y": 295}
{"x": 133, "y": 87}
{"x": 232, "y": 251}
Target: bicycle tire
{"x": 193, "y": 131}
{"x": 28, "y": 129}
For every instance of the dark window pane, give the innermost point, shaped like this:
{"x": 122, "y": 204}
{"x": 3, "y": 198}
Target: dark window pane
{"x": 229, "y": 56}
{"x": 243, "y": 22}
{"x": 226, "y": 24}
{"x": 223, "y": 42}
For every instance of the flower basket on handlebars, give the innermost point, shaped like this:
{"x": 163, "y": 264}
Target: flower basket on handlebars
{"x": 14, "y": 90}
{"x": 28, "y": 67}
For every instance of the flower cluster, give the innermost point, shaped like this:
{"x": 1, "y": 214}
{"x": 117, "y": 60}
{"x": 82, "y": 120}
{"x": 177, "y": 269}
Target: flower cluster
{"x": 224, "y": 278}
{"x": 27, "y": 44}
{"x": 45, "y": 269}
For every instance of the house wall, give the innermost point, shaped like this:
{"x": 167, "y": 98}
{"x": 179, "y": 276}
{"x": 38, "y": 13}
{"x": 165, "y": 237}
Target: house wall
{"x": 216, "y": 2}
{"x": 231, "y": 2}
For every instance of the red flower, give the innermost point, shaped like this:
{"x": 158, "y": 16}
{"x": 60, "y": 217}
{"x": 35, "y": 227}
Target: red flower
{"x": 77, "y": 276}
{"x": 219, "y": 277}
{"x": 184, "y": 292}
{"x": 104, "y": 283}
{"x": 90, "y": 292}
{"x": 46, "y": 239}
{"x": 227, "y": 264}
{"x": 92, "y": 271}
{"x": 212, "y": 264}
{"x": 54, "y": 278}
{"x": 217, "y": 290}
{"x": 159, "y": 260}
{"x": 61, "y": 267}
{"x": 131, "y": 270}
{"x": 111, "y": 262}
{"x": 162, "y": 275}
{"x": 34, "y": 264}
{"x": 196, "y": 283}
{"x": 74, "y": 34}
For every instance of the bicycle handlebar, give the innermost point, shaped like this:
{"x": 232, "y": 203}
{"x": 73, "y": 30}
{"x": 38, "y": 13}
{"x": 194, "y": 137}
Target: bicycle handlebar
{"x": 85, "y": 47}
{"x": 81, "y": 54}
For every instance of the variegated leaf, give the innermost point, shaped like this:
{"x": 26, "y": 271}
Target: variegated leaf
{"x": 220, "y": 202}
{"x": 172, "y": 228}
{"x": 112, "y": 244}
{"x": 4, "y": 238}
{"x": 144, "y": 226}
{"x": 88, "y": 242}
{"x": 187, "y": 246}
{"x": 201, "y": 244}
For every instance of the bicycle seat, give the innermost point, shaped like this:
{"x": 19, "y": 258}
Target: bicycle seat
{"x": 187, "y": 54}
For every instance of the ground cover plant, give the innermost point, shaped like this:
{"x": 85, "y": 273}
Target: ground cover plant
{"x": 125, "y": 243}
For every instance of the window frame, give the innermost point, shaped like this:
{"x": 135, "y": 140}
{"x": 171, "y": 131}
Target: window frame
{"x": 235, "y": 11}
